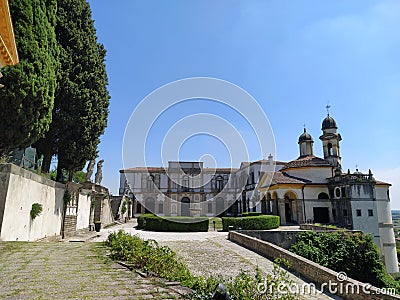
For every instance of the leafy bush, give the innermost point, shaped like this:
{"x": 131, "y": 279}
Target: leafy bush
{"x": 161, "y": 261}
{"x": 251, "y": 222}
{"x": 353, "y": 253}
{"x": 36, "y": 210}
{"x": 67, "y": 197}
{"x": 177, "y": 224}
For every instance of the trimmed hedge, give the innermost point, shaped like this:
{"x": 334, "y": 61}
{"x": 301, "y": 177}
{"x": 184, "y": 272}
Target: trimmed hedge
{"x": 251, "y": 214}
{"x": 251, "y": 222}
{"x": 176, "y": 224}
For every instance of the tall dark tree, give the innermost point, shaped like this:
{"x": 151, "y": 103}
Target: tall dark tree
{"x": 27, "y": 99}
{"x": 81, "y": 103}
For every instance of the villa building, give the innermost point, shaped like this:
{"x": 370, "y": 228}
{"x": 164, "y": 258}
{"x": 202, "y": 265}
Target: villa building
{"x": 182, "y": 189}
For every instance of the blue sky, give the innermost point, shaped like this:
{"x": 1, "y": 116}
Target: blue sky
{"x": 291, "y": 56}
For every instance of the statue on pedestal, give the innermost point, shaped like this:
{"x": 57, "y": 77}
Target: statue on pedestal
{"x": 99, "y": 172}
{"x": 89, "y": 170}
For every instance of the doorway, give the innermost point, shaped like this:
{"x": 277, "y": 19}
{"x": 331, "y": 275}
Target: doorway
{"x": 185, "y": 207}
{"x": 321, "y": 214}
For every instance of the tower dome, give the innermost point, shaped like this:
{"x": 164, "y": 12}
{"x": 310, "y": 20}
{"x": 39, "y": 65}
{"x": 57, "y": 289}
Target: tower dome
{"x": 305, "y": 137}
{"x": 330, "y": 141}
{"x": 329, "y": 123}
{"x": 306, "y": 144}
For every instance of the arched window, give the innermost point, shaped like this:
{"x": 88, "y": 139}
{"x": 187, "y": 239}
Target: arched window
{"x": 323, "y": 196}
{"x": 330, "y": 149}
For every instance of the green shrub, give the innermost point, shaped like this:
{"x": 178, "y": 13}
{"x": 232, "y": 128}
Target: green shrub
{"x": 36, "y": 210}
{"x": 353, "y": 253}
{"x": 176, "y": 224}
{"x": 150, "y": 257}
{"x": 123, "y": 208}
{"x": 262, "y": 222}
{"x": 67, "y": 197}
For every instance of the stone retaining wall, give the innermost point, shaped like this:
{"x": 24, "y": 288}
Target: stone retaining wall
{"x": 310, "y": 270}
{"x": 282, "y": 238}
{"x": 19, "y": 189}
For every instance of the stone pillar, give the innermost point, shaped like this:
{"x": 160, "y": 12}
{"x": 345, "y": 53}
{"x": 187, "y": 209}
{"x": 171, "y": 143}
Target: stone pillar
{"x": 300, "y": 211}
{"x": 282, "y": 211}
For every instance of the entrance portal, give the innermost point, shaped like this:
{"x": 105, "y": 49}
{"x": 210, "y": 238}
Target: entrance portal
{"x": 185, "y": 207}
{"x": 321, "y": 214}
{"x": 288, "y": 212}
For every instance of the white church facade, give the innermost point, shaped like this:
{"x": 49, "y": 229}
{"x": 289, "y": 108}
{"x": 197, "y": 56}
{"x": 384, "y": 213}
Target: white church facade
{"x": 308, "y": 189}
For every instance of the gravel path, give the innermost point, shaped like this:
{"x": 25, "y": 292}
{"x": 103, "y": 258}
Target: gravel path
{"x": 209, "y": 253}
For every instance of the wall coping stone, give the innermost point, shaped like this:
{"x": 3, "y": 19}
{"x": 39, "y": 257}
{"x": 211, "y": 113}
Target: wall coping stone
{"x": 16, "y": 170}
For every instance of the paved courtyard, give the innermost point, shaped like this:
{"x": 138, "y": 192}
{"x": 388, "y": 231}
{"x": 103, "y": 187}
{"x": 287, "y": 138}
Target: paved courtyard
{"x": 209, "y": 253}
{"x": 80, "y": 270}
{"x": 70, "y": 271}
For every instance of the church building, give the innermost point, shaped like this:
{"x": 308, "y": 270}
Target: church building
{"x": 311, "y": 189}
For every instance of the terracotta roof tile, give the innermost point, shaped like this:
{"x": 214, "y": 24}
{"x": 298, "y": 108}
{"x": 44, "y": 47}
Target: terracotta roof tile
{"x": 284, "y": 178}
{"x": 307, "y": 161}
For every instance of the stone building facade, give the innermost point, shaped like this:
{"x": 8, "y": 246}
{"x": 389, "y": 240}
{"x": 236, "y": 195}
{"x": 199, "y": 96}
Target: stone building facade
{"x": 181, "y": 189}
{"x": 308, "y": 189}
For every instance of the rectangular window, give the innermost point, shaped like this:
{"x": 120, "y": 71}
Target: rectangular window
{"x": 370, "y": 213}
{"x": 161, "y": 208}
{"x": 358, "y": 212}
{"x": 345, "y": 212}
{"x": 210, "y": 207}
{"x": 334, "y": 213}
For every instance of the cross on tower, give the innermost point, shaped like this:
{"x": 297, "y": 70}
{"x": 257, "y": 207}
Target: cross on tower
{"x": 327, "y": 108}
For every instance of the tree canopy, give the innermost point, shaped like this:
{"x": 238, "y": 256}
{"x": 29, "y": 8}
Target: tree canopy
{"x": 27, "y": 99}
{"x": 82, "y": 99}
{"x": 57, "y": 96}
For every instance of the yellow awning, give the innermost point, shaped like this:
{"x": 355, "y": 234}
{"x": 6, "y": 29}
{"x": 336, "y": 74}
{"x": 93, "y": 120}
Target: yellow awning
{"x": 8, "y": 48}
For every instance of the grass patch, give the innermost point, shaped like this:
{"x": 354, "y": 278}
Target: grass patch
{"x": 218, "y": 223}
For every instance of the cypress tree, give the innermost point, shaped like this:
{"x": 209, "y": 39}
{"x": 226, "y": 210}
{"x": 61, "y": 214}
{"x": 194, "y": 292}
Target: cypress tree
{"x": 27, "y": 99}
{"x": 81, "y": 103}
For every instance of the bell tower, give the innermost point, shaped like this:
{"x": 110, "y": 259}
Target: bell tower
{"x": 330, "y": 141}
{"x": 306, "y": 144}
